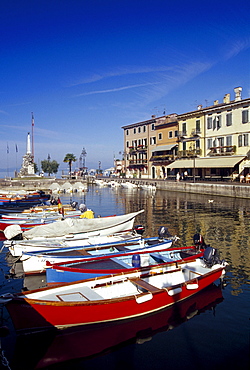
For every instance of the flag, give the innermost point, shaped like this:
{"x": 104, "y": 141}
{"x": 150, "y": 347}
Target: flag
{"x": 16, "y": 149}
{"x": 8, "y": 149}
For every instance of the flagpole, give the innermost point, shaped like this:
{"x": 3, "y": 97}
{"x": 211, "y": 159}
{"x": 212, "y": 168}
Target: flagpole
{"x": 7, "y": 160}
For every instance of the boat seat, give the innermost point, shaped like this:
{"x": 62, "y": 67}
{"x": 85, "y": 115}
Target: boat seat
{"x": 144, "y": 285}
{"x": 84, "y": 294}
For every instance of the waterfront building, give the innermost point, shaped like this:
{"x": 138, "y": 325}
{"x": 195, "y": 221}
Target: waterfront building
{"x": 219, "y": 138}
{"x": 208, "y": 143}
{"x": 149, "y": 146}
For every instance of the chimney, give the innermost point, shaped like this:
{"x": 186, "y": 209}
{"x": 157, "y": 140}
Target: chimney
{"x": 226, "y": 99}
{"x": 237, "y": 92}
{"x": 199, "y": 107}
{"x": 216, "y": 102}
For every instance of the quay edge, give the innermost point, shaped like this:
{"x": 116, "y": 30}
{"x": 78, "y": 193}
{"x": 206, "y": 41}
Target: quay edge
{"x": 226, "y": 189}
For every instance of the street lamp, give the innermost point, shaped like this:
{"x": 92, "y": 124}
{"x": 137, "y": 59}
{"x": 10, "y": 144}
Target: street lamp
{"x": 192, "y": 149}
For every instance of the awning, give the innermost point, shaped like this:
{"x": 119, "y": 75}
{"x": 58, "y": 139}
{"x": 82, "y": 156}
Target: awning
{"x": 220, "y": 162}
{"x": 162, "y": 148}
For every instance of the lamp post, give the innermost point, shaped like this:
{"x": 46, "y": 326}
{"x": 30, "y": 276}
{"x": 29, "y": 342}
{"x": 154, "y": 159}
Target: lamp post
{"x": 192, "y": 148}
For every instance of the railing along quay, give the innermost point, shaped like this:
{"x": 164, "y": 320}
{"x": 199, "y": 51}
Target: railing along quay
{"x": 208, "y": 187}
{"x": 211, "y": 187}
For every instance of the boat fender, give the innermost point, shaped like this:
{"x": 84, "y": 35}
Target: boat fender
{"x": 136, "y": 260}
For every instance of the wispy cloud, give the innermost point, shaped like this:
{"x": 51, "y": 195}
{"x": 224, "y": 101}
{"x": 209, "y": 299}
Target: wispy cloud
{"x": 115, "y": 89}
{"x": 122, "y": 71}
{"x": 237, "y": 47}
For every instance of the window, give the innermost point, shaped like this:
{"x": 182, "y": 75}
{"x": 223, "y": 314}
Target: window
{"x": 170, "y": 134}
{"x": 176, "y": 133}
{"x": 218, "y": 118}
{"x": 240, "y": 140}
{"x": 127, "y": 144}
{"x": 127, "y": 132}
{"x": 184, "y": 145}
{"x": 139, "y": 130}
{"x": 184, "y": 128}
{"x": 153, "y": 140}
{"x": 153, "y": 127}
{"x": 145, "y": 142}
{"x": 198, "y": 126}
{"x": 245, "y": 139}
{"x": 134, "y": 130}
{"x": 160, "y": 136}
{"x": 209, "y": 143}
{"x": 229, "y": 119}
{"x": 144, "y": 128}
{"x": 221, "y": 141}
{"x": 245, "y": 116}
{"x": 197, "y": 143}
{"x": 209, "y": 123}
{"x": 228, "y": 140}
{"x": 214, "y": 124}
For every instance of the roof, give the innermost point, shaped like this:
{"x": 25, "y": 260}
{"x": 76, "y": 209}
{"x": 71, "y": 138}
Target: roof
{"x": 212, "y": 162}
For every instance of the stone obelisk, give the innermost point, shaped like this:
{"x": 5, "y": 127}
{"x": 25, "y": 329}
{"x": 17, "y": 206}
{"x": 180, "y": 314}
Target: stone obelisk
{"x": 28, "y": 162}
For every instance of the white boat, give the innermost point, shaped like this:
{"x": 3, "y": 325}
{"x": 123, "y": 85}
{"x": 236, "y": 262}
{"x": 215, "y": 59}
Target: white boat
{"x": 36, "y": 262}
{"x": 18, "y": 247}
{"x": 80, "y": 227}
{"x": 129, "y": 185}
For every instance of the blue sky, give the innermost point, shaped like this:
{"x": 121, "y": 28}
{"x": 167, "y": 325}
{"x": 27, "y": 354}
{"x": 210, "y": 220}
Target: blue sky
{"x": 86, "y": 68}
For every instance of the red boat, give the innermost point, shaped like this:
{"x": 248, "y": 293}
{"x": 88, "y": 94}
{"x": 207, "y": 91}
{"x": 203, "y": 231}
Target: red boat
{"x": 81, "y": 342}
{"x": 113, "y": 297}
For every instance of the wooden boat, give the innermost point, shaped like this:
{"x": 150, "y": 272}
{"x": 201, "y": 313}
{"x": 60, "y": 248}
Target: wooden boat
{"x": 35, "y": 262}
{"x": 87, "y": 268}
{"x": 111, "y": 298}
{"x": 18, "y": 248}
{"x": 81, "y": 227}
{"x": 81, "y": 342}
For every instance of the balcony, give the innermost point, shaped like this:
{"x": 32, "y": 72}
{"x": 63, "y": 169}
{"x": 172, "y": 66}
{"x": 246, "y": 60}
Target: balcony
{"x": 138, "y": 148}
{"x": 189, "y": 153}
{"x": 181, "y": 134}
{"x": 196, "y": 132}
{"x": 222, "y": 150}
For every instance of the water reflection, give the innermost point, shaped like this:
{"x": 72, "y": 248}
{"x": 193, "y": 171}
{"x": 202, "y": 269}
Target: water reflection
{"x": 53, "y": 347}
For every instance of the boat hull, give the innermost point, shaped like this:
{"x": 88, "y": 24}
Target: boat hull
{"x": 33, "y": 314}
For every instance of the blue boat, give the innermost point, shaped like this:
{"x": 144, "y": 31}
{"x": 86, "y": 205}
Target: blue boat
{"x": 88, "y": 268}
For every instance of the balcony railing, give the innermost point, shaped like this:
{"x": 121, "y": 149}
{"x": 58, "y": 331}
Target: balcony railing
{"x": 138, "y": 148}
{"x": 138, "y": 161}
{"x": 189, "y": 153}
{"x": 196, "y": 132}
{"x": 181, "y": 133}
{"x": 168, "y": 157}
{"x": 222, "y": 150}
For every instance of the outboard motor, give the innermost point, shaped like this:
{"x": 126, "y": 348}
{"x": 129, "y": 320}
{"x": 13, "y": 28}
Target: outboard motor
{"x": 139, "y": 229}
{"x": 211, "y": 256}
{"x": 163, "y": 232}
{"x": 82, "y": 207}
{"x": 74, "y": 205}
{"x": 199, "y": 241}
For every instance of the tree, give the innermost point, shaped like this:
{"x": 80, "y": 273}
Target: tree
{"x": 69, "y": 158}
{"x": 49, "y": 166}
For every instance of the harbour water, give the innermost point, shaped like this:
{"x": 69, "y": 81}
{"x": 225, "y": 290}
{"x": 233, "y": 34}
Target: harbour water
{"x": 208, "y": 331}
